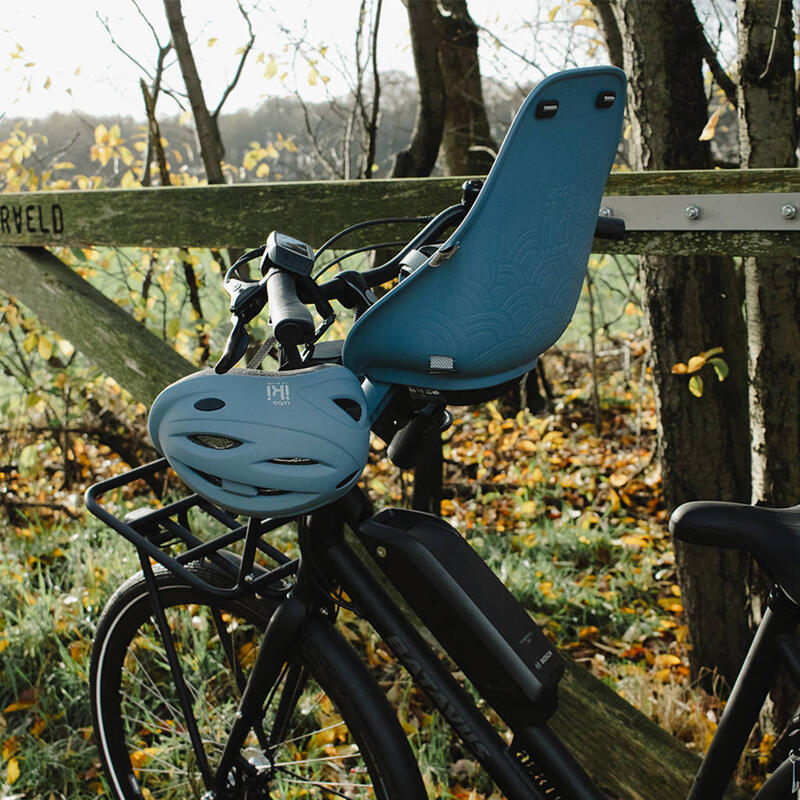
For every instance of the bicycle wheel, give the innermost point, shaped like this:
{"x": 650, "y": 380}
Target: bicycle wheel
{"x": 779, "y": 785}
{"x": 327, "y": 730}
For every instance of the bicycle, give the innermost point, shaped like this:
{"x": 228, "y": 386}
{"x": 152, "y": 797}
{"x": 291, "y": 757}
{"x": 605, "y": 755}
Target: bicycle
{"x": 217, "y": 671}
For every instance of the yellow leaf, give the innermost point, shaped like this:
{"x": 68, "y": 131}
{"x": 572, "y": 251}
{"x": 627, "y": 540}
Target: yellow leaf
{"x": 313, "y": 77}
{"x": 263, "y": 170}
{"x": 631, "y": 310}
{"x": 272, "y": 67}
{"x": 100, "y": 133}
{"x": 23, "y": 705}
{"x": 552, "y": 15}
{"x": 45, "y": 348}
{"x": 29, "y": 342}
{"x": 679, "y": 368}
{"x": 695, "y": 363}
{"x": 12, "y": 771}
{"x": 618, "y": 479}
{"x": 48, "y": 83}
{"x": 10, "y": 746}
{"x": 696, "y": 385}
{"x": 710, "y": 129}
{"x": 212, "y": 41}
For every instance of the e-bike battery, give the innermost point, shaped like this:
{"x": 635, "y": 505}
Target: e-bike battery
{"x": 470, "y": 612}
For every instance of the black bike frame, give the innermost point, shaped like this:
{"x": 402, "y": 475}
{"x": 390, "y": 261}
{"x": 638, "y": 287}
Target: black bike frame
{"x": 537, "y": 760}
{"x": 327, "y": 550}
{"x": 773, "y": 644}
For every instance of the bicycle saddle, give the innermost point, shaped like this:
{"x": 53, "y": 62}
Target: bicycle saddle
{"x": 771, "y": 535}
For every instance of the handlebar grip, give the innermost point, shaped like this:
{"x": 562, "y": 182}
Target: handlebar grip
{"x": 610, "y": 228}
{"x": 292, "y": 322}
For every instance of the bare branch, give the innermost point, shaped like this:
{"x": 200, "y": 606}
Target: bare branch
{"x": 104, "y": 23}
{"x": 148, "y": 23}
{"x": 248, "y": 47}
{"x": 315, "y": 141}
{"x": 710, "y": 57}
{"x": 371, "y": 124}
{"x": 500, "y": 43}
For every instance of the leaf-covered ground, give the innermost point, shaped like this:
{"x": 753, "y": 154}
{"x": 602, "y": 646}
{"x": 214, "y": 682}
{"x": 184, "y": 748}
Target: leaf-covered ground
{"x": 569, "y": 514}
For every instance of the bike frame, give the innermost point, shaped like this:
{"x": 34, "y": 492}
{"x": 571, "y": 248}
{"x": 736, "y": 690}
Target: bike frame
{"x": 536, "y": 759}
{"x": 328, "y": 559}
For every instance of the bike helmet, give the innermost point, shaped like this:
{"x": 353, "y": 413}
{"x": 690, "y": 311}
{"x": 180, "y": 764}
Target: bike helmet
{"x": 265, "y": 444}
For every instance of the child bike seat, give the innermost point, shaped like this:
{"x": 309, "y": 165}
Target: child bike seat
{"x": 504, "y": 286}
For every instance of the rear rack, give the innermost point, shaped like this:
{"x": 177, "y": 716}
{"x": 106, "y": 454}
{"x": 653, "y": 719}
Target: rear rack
{"x": 166, "y": 535}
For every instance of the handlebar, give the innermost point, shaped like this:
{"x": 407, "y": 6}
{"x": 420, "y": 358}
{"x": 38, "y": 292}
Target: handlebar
{"x": 291, "y": 320}
{"x": 288, "y": 294}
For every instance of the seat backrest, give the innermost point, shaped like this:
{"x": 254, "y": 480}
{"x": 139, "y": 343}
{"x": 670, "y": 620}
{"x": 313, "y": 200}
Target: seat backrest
{"x": 484, "y": 315}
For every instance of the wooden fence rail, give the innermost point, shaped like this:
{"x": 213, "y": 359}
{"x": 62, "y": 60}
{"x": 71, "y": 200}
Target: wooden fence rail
{"x": 240, "y": 215}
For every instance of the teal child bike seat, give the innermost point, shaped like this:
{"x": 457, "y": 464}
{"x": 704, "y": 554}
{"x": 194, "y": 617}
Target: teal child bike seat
{"x": 510, "y": 285}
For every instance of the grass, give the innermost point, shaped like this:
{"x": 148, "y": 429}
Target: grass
{"x": 568, "y": 514}
{"x": 554, "y": 529}
{"x": 54, "y": 582}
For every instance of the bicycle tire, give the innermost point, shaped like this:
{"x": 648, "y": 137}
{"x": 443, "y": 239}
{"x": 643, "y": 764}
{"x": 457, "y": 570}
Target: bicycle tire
{"x": 345, "y": 741}
{"x": 779, "y": 785}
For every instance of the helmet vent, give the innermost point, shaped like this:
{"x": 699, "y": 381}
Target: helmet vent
{"x": 214, "y": 441}
{"x": 346, "y": 480}
{"x": 351, "y": 407}
{"x": 264, "y": 491}
{"x": 294, "y": 461}
{"x": 210, "y": 478}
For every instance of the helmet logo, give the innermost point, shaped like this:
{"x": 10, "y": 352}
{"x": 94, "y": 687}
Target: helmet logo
{"x": 278, "y": 394}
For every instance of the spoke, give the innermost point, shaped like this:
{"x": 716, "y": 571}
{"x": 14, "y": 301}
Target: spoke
{"x": 150, "y": 682}
{"x": 317, "y": 760}
{"x": 306, "y": 713}
{"x": 331, "y": 785}
{"x": 296, "y": 707}
{"x": 312, "y": 733}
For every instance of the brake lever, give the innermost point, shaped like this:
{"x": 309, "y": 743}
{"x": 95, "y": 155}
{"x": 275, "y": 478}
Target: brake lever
{"x": 235, "y": 346}
{"x": 248, "y": 298}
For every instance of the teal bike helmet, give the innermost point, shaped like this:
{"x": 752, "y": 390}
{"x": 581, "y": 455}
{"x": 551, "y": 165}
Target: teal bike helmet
{"x": 265, "y": 444}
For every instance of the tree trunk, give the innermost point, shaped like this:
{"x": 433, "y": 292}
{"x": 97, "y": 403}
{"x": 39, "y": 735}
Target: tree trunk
{"x": 211, "y": 150}
{"x": 419, "y": 158}
{"x": 467, "y": 145}
{"x": 105, "y": 333}
{"x": 692, "y": 305}
{"x": 768, "y": 138}
{"x": 451, "y": 114}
